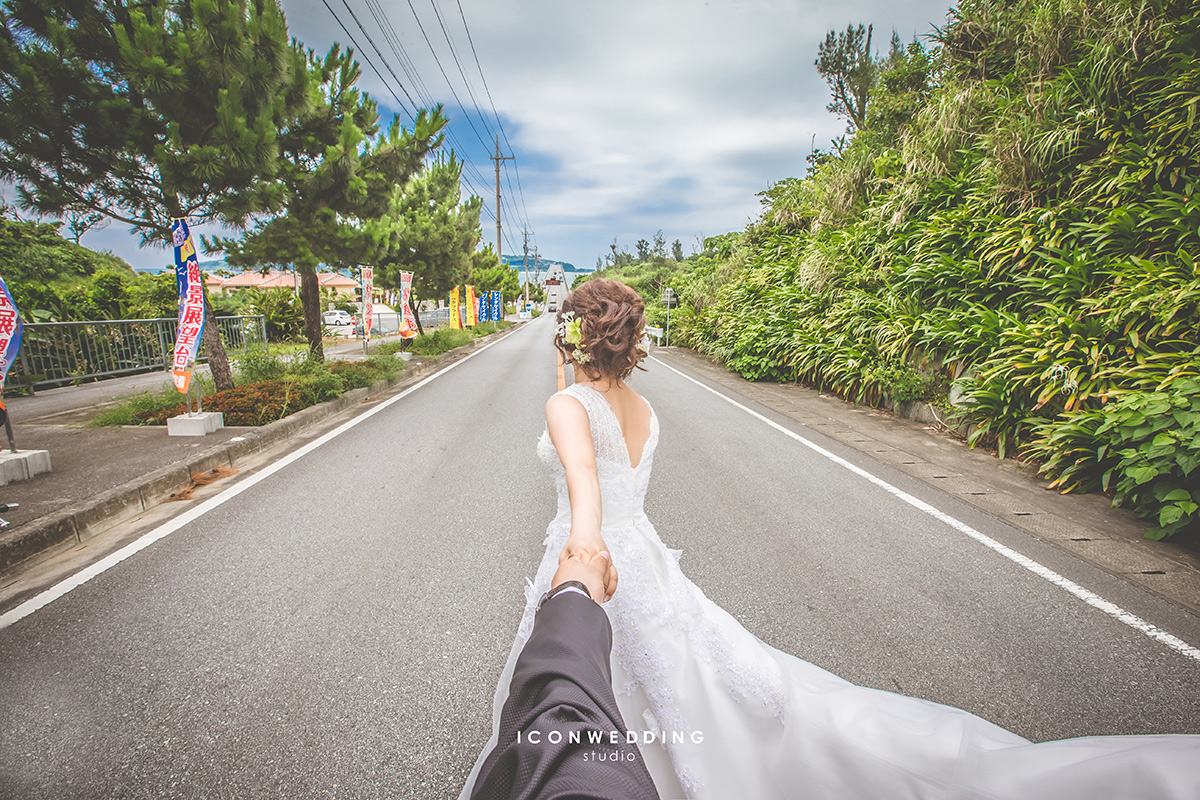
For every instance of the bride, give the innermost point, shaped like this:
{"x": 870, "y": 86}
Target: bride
{"x": 719, "y": 713}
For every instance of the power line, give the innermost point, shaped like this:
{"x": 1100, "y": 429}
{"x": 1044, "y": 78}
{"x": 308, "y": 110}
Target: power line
{"x": 446, "y": 35}
{"x": 409, "y": 68}
{"x": 367, "y": 58}
{"x": 495, "y": 113}
{"x": 442, "y": 69}
{"x": 470, "y": 175}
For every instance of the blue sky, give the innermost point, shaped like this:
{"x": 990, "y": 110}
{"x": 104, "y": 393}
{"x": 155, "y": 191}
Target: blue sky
{"x": 625, "y": 117}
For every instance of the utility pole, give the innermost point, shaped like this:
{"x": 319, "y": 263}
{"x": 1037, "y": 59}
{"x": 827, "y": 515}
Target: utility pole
{"x": 526, "y": 262}
{"x": 498, "y": 158}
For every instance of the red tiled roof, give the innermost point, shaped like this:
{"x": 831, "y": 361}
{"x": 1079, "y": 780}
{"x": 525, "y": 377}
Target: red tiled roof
{"x": 285, "y": 280}
{"x": 247, "y": 278}
{"x": 334, "y": 279}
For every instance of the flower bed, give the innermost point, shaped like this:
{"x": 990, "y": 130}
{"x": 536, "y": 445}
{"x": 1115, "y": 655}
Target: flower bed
{"x": 250, "y": 404}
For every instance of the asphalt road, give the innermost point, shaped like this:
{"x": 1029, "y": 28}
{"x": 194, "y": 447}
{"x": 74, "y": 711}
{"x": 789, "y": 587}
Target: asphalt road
{"x": 336, "y": 630}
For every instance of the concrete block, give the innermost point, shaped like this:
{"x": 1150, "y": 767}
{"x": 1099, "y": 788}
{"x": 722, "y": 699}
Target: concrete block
{"x": 195, "y": 424}
{"x": 38, "y": 539}
{"x": 208, "y": 461}
{"x": 160, "y": 485}
{"x": 22, "y": 465}
{"x": 107, "y": 509}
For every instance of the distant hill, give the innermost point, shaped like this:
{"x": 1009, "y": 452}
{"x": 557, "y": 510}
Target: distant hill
{"x": 544, "y": 264}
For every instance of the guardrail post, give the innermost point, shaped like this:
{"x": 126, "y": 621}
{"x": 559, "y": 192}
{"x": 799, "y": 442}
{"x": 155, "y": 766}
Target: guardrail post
{"x": 162, "y": 346}
{"x": 25, "y": 369}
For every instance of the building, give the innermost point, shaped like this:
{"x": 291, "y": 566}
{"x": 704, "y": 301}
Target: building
{"x": 341, "y": 286}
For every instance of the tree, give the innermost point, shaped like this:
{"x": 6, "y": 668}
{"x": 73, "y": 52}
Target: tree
{"x": 905, "y": 83}
{"x": 677, "y": 250}
{"x": 146, "y": 112}
{"x": 660, "y": 245}
{"x": 489, "y": 276}
{"x": 432, "y": 231}
{"x": 643, "y": 250}
{"x": 81, "y": 220}
{"x": 618, "y": 258}
{"x": 846, "y": 63}
{"x": 336, "y": 178}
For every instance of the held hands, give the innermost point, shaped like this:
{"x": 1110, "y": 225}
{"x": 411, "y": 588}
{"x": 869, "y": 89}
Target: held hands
{"x": 593, "y": 569}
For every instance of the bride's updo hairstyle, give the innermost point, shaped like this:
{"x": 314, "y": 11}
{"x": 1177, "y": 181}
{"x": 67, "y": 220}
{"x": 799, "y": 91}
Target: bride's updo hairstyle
{"x": 612, "y": 322}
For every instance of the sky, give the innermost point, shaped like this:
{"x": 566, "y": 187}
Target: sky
{"x": 625, "y": 117}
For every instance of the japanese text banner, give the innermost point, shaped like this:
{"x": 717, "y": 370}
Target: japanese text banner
{"x": 408, "y": 323}
{"x": 472, "y": 307}
{"x": 368, "y": 275}
{"x": 190, "y": 283}
{"x": 11, "y": 327}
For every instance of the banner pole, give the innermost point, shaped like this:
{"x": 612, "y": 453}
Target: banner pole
{"x": 12, "y": 445}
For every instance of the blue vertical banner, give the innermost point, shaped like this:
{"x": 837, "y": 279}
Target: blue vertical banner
{"x": 11, "y": 328}
{"x": 190, "y": 283}
{"x": 482, "y": 313}
{"x": 497, "y": 308}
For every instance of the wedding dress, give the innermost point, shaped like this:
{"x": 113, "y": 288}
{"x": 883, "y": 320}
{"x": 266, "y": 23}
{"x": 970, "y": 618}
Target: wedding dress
{"x": 773, "y": 726}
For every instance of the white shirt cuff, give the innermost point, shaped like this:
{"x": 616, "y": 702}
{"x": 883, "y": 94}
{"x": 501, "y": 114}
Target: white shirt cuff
{"x": 574, "y": 589}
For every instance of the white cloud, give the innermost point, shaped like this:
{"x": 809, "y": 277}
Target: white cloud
{"x": 632, "y": 115}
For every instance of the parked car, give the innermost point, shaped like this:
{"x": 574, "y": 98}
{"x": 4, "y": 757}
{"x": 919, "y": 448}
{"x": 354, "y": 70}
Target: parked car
{"x": 335, "y": 318}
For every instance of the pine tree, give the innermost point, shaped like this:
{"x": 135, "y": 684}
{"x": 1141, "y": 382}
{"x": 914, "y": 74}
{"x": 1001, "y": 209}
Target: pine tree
{"x": 433, "y": 232}
{"x": 336, "y": 178}
{"x": 147, "y": 111}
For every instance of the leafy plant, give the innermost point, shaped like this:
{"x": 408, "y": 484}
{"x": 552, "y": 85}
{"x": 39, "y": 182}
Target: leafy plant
{"x": 1144, "y": 448}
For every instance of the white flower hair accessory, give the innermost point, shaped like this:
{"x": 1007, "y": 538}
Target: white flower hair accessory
{"x": 570, "y": 330}
{"x": 644, "y": 344}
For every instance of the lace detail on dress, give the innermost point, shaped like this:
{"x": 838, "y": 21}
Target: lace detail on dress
{"x": 654, "y": 595}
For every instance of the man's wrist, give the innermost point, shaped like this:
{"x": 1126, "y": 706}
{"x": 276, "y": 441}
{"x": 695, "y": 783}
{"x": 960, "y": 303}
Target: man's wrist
{"x": 565, "y": 586}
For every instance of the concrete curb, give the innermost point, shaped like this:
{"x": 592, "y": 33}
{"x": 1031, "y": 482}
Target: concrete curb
{"x": 81, "y": 521}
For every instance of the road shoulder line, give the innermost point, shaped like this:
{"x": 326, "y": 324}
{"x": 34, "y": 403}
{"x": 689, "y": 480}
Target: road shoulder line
{"x": 67, "y": 585}
{"x": 1092, "y": 599}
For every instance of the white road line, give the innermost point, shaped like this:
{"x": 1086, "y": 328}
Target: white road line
{"x": 1091, "y": 598}
{"x": 167, "y": 528}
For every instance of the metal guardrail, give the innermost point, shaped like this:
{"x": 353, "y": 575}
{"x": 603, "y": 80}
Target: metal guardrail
{"x": 386, "y": 323}
{"x": 58, "y": 353}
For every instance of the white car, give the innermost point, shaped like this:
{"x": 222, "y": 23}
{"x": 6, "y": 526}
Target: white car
{"x": 336, "y": 318}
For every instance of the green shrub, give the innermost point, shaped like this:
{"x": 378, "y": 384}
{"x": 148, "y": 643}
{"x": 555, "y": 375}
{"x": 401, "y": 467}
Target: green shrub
{"x": 250, "y": 404}
{"x": 321, "y": 386}
{"x": 360, "y": 374}
{"x": 259, "y": 365}
{"x": 440, "y": 341}
{"x": 127, "y": 411}
{"x": 898, "y": 380}
{"x": 1144, "y": 447}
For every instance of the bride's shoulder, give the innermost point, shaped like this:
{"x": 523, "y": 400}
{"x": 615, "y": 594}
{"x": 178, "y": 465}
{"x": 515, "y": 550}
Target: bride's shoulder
{"x": 565, "y": 406}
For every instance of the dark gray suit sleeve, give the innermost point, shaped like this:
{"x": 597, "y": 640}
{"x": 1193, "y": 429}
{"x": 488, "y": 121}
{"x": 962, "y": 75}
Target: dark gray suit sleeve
{"x": 562, "y": 683}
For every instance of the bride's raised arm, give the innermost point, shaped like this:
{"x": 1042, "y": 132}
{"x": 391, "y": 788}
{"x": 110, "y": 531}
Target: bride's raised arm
{"x": 567, "y": 422}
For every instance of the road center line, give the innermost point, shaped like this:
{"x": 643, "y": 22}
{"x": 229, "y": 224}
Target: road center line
{"x": 167, "y": 528}
{"x": 1092, "y": 599}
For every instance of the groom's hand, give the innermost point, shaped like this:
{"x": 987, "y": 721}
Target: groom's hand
{"x": 595, "y": 572}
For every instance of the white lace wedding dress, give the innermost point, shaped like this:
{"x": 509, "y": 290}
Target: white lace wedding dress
{"x": 774, "y": 726}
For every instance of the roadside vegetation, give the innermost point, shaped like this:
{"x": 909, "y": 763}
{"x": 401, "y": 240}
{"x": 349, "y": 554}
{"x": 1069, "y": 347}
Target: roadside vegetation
{"x": 283, "y": 380}
{"x": 1011, "y": 223}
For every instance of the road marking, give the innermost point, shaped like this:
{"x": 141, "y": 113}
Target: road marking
{"x": 1089, "y": 597}
{"x": 167, "y": 528}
